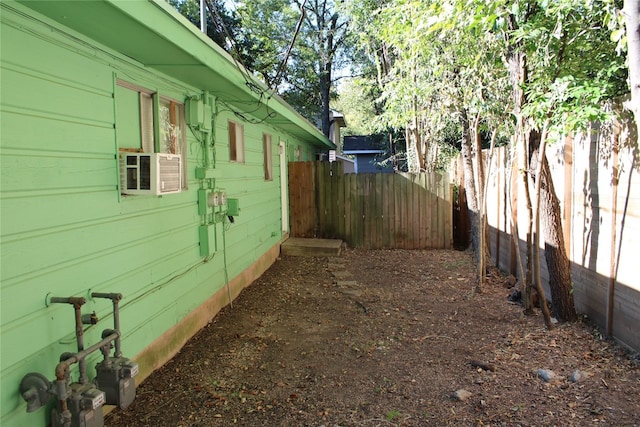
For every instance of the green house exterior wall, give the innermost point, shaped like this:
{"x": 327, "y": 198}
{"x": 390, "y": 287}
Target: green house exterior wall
{"x": 65, "y": 228}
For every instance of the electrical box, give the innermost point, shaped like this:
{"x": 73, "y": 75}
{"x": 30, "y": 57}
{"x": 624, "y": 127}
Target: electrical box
{"x": 203, "y": 203}
{"x": 233, "y": 207}
{"x": 194, "y": 111}
{"x": 199, "y": 114}
{"x": 204, "y": 173}
{"x": 116, "y": 376}
{"x": 150, "y": 173}
{"x": 207, "y": 238}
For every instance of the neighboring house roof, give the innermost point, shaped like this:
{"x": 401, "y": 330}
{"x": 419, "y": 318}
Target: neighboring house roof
{"x": 345, "y": 159}
{"x": 363, "y": 144}
{"x": 338, "y": 117}
{"x": 141, "y": 29}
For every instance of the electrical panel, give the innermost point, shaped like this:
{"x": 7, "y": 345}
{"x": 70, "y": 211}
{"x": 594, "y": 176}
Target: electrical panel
{"x": 150, "y": 173}
{"x": 194, "y": 111}
{"x": 198, "y": 114}
{"x": 233, "y": 207}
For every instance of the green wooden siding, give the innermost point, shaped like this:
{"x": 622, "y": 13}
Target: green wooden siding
{"x": 66, "y": 230}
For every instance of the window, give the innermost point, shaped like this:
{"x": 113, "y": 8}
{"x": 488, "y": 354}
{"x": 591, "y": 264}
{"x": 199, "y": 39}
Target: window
{"x": 236, "y": 142}
{"x": 147, "y": 122}
{"x": 140, "y": 128}
{"x": 268, "y": 162}
{"x": 171, "y": 125}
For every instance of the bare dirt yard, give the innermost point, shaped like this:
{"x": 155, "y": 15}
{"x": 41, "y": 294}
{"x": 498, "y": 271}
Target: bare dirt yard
{"x": 386, "y": 338}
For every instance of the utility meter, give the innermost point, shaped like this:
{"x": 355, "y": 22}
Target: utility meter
{"x": 84, "y": 403}
{"x": 116, "y": 376}
{"x": 213, "y": 199}
{"x": 223, "y": 198}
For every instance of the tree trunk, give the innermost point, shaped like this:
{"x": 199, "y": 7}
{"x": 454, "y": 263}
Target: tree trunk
{"x": 484, "y": 241}
{"x": 632, "y": 23}
{"x": 558, "y": 263}
{"x": 469, "y": 182}
{"x": 518, "y": 71}
{"x": 325, "y": 90}
{"x": 417, "y": 131}
{"x": 480, "y": 179}
{"x": 536, "y": 226}
{"x": 326, "y": 66}
{"x": 527, "y": 288}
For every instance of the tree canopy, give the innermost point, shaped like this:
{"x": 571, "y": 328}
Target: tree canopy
{"x": 443, "y": 76}
{"x": 295, "y": 46}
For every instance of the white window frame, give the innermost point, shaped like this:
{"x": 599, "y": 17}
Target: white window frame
{"x": 156, "y": 136}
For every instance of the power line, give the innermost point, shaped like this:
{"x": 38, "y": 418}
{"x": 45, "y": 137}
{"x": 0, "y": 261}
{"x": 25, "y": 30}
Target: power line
{"x": 293, "y": 40}
{"x": 213, "y": 10}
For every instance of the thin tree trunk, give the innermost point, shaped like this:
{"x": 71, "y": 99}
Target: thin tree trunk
{"x": 479, "y": 163}
{"x": 469, "y": 182}
{"x": 519, "y": 160}
{"x": 536, "y": 226}
{"x": 325, "y": 90}
{"x": 416, "y": 129}
{"x": 518, "y": 71}
{"x": 515, "y": 235}
{"x": 483, "y": 212}
{"x": 631, "y": 11}
{"x": 558, "y": 263}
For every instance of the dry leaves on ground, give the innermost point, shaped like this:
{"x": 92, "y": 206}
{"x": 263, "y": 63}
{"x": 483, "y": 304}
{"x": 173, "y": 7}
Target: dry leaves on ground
{"x": 386, "y": 338}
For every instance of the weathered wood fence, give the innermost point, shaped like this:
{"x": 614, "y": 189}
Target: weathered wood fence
{"x": 597, "y": 178}
{"x": 373, "y": 211}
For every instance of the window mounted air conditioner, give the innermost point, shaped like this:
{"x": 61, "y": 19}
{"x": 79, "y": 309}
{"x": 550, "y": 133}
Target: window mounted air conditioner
{"x": 150, "y": 173}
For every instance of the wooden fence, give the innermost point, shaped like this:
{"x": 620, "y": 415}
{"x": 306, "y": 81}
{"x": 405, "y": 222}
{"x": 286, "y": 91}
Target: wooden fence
{"x": 597, "y": 179}
{"x": 373, "y": 211}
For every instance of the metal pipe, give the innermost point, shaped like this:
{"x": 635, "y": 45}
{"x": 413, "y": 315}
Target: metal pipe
{"x": 67, "y": 300}
{"x": 203, "y": 17}
{"x": 62, "y": 388}
{"x": 80, "y": 341}
{"x": 109, "y": 295}
{"x": 115, "y": 299}
{"x": 62, "y": 376}
{"x": 77, "y": 303}
{"x": 62, "y": 368}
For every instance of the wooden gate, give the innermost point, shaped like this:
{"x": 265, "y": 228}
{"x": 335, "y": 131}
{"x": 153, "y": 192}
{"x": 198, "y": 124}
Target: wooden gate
{"x": 374, "y": 211}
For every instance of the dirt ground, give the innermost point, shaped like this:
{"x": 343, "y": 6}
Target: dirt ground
{"x": 386, "y": 338}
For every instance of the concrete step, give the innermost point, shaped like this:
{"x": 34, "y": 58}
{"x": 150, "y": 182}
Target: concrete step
{"x": 296, "y": 246}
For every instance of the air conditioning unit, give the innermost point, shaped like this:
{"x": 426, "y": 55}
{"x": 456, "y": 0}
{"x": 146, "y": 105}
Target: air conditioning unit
{"x": 150, "y": 173}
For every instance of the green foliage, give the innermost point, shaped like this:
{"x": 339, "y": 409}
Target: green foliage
{"x": 357, "y": 101}
{"x": 262, "y": 35}
{"x": 442, "y": 57}
{"x": 219, "y": 20}
{"x": 392, "y": 414}
{"x": 294, "y": 68}
{"x": 267, "y": 29}
{"x": 439, "y": 65}
{"x": 557, "y": 38}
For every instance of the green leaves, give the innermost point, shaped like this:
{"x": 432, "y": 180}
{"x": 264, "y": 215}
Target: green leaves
{"x": 435, "y": 58}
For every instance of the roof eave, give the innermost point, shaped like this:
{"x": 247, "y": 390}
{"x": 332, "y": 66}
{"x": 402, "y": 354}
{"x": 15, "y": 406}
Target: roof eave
{"x": 166, "y": 41}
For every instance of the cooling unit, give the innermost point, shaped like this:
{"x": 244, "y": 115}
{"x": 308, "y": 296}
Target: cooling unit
{"x": 150, "y": 173}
